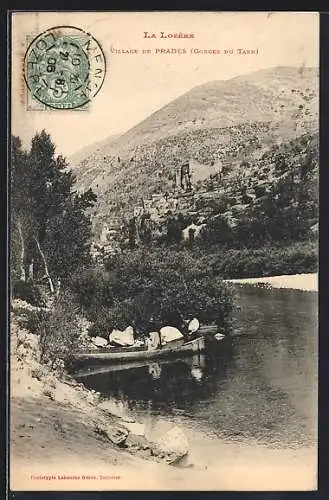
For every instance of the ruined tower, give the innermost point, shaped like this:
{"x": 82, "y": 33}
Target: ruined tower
{"x": 183, "y": 177}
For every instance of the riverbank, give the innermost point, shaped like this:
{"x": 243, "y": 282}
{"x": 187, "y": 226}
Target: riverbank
{"x": 61, "y": 440}
{"x": 305, "y": 282}
{"x": 61, "y": 433}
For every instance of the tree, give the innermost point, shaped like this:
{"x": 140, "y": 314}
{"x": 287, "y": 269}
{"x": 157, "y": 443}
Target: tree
{"x": 18, "y": 208}
{"x": 174, "y": 229}
{"x": 144, "y": 287}
{"x": 50, "y": 226}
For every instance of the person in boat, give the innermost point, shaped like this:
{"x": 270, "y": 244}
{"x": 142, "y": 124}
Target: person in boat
{"x": 220, "y": 323}
{"x": 153, "y": 341}
{"x": 190, "y": 328}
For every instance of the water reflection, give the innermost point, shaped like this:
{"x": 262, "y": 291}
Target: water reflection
{"x": 155, "y": 370}
{"x": 260, "y": 386}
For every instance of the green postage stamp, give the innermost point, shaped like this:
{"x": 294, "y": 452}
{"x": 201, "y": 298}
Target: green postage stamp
{"x": 64, "y": 68}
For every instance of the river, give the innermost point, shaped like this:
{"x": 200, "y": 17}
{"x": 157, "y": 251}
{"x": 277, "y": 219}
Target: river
{"x": 249, "y": 400}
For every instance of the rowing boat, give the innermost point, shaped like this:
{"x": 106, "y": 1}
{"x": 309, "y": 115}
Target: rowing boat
{"x": 102, "y": 368}
{"x": 120, "y": 354}
{"x": 208, "y": 330}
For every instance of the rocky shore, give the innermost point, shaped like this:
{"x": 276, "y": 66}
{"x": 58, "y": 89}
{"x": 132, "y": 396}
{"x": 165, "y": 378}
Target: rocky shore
{"x": 57, "y": 424}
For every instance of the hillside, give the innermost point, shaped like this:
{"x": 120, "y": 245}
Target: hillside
{"x": 79, "y": 156}
{"x": 222, "y": 121}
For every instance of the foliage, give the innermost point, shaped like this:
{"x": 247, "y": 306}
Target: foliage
{"x": 285, "y": 204}
{"x": 51, "y": 232}
{"x": 29, "y": 292}
{"x": 175, "y": 224}
{"x": 59, "y": 330}
{"x": 149, "y": 289}
{"x": 267, "y": 261}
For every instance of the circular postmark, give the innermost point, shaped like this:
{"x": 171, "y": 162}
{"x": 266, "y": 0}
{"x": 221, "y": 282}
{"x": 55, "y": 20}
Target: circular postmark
{"x": 64, "y": 67}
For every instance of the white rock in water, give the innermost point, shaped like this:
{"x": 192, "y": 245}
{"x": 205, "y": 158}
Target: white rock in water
{"x": 116, "y": 408}
{"x": 169, "y": 333}
{"x": 173, "y": 441}
{"x": 135, "y": 428}
{"x": 99, "y": 341}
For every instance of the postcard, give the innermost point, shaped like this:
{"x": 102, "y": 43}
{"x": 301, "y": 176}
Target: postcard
{"x": 164, "y": 251}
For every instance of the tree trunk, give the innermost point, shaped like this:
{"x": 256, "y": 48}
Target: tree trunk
{"x": 51, "y": 285}
{"x": 22, "y": 254}
{"x": 31, "y": 271}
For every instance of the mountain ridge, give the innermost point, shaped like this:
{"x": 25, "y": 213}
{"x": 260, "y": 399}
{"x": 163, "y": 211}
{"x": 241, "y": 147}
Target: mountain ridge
{"x": 205, "y": 86}
{"x": 226, "y": 120}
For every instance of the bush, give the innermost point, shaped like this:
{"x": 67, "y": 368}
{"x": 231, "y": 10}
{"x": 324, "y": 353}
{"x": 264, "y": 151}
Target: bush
{"x": 59, "y": 330}
{"x": 29, "y": 292}
{"x": 151, "y": 289}
{"x": 266, "y": 261}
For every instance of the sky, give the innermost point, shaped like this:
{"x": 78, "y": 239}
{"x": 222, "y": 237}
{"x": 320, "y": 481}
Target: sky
{"x": 136, "y": 85}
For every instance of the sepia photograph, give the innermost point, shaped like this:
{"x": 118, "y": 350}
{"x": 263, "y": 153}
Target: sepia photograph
{"x": 164, "y": 183}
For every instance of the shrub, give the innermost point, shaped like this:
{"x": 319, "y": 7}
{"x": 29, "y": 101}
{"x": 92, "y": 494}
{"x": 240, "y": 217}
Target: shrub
{"x": 29, "y": 292}
{"x": 157, "y": 288}
{"x": 59, "y": 330}
{"x": 267, "y": 261}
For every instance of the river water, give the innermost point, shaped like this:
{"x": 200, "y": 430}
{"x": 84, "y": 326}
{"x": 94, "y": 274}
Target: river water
{"x": 250, "y": 400}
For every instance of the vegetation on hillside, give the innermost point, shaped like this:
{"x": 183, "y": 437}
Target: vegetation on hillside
{"x": 272, "y": 201}
{"x": 230, "y": 121}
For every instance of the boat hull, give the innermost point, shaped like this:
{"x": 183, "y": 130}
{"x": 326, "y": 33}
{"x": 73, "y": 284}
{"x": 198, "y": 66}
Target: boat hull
{"x": 207, "y": 330}
{"x": 115, "y": 355}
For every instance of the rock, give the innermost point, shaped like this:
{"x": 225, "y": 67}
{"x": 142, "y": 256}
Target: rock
{"x": 117, "y": 435}
{"x": 90, "y": 398}
{"x": 28, "y": 340}
{"x": 135, "y": 428}
{"x": 99, "y": 341}
{"x": 116, "y": 408}
{"x": 49, "y": 393}
{"x": 129, "y": 420}
{"x": 36, "y": 370}
{"x": 173, "y": 441}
